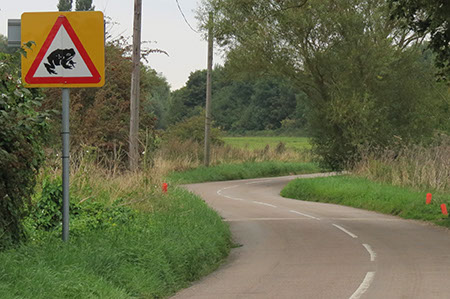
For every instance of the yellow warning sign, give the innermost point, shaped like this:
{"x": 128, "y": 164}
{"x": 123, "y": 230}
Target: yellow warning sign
{"x": 69, "y": 50}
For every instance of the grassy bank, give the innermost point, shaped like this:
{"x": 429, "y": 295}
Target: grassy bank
{"x": 247, "y": 170}
{"x": 252, "y": 143}
{"x": 127, "y": 238}
{"x": 151, "y": 255}
{"x": 365, "y": 194}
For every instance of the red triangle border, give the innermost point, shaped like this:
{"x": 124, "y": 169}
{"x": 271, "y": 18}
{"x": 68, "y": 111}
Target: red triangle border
{"x": 62, "y": 21}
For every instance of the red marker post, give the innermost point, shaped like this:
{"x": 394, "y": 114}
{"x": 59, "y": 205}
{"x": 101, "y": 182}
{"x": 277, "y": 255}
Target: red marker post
{"x": 428, "y": 201}
{"x": 164, "y": 187}
{"x": 444, "y": 209}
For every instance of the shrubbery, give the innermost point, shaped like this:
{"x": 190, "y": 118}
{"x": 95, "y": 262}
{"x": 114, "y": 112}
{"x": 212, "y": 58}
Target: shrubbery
{"x": 21, "y": 136}
{"x": 45, "y": 216}
{"x": 193, "y": 129}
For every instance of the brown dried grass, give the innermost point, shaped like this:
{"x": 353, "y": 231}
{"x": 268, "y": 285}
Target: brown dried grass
{"x": 97, "y": 174}
{"x": 424, "y": 168}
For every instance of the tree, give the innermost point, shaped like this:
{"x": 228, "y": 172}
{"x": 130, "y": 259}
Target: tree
{"x": 359, "y": 69}
{"x": 156, "y": 102}
{"x": 84, "y": 5}
{"x": 80, "y": 5}
{"x": 100, "y": 116}
{"x": 253, "y": 104}
{"x": 240, "y": 102}
{"x": 428, "y": 17}
{"x": 189, "y": 100}
{"x": 65, "y": 5}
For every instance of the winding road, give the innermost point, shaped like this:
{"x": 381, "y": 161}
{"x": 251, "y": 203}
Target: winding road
{"x": 298, "y": 249}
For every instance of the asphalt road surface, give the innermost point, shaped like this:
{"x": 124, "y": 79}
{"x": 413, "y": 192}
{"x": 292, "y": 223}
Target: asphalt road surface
{"x": 298, "y": 249}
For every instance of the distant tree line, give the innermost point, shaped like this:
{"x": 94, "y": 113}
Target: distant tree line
{"x": 240, "y": 103}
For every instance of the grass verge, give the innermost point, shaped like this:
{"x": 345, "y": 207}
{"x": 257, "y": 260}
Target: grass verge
{"x": 299, "y": 143}
{"x": 152, "y": 255}
{"x": 365, "y": 194}
{"x": 247, "y": 170}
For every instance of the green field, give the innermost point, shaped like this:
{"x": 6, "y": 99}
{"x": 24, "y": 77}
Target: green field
{"x": 260, "y": 142}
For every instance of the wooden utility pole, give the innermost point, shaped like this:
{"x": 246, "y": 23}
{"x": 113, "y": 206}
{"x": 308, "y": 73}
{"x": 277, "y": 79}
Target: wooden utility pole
{"x": 135, "y": 92}
{"x": 208, "y": 91}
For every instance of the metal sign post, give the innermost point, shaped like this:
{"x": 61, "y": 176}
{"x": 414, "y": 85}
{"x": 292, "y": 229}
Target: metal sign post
{"x": 65, "y": 133}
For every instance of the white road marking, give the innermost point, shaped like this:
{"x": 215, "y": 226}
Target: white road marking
{"x": 306, "y": 215}
{"x": 219, "y": 192}
{"x": 364, "y": 286}
{"x": 372, "y": 253}
{"x": 259, "y": 181}
{"x": 234, "y": 186}
{"x": 366, "y": 219}
{"x": 263, "y": 219}
{"x": 233, "y": 198}
{"x": 346, "y": 231}
{"x": 265, "y": 204}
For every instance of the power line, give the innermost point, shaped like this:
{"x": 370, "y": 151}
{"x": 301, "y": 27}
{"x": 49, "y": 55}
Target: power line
{"x": 184, "y": 17}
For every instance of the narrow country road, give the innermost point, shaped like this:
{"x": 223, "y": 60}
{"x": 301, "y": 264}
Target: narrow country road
{"x": 298, "y": 249}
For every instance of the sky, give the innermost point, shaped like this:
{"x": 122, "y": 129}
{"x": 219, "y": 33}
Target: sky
{"x": 162, "y": 25}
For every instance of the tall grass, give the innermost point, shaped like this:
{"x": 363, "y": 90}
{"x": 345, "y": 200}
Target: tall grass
{"x": 96, "y": 177}
{"x": 423, "y": 168}
{"x": 298, "y": 143}
{"x": 151, "y": 255}
{"x": 167, "y": 241}
{"x": 176, "y": 155}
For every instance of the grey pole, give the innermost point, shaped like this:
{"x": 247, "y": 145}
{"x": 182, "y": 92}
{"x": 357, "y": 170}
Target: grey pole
{"x": 135, "y": 91}
{"x": 65, "y": 162}
{"x": 208, "y": 92}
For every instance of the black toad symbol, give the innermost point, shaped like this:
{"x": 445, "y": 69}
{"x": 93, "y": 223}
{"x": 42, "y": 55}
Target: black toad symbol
{"x": 60, "y": 57}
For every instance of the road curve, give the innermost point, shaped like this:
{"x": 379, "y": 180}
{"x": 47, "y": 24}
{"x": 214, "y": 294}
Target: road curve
{"x": 298, "y": 249}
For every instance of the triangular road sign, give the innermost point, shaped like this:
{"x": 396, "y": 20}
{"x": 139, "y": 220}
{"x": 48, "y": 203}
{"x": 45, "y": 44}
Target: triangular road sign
{"x": 62, "y": 59}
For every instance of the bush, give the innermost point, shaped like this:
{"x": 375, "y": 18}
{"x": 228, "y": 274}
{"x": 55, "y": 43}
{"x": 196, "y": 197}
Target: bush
{"x": 45, "y": 214}
{"x": 380, "y": 115}
{"x": 193, "y": 129}
{"x": 21, "y": 137}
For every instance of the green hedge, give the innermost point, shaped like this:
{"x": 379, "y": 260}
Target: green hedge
{"x": 22, "y": 131}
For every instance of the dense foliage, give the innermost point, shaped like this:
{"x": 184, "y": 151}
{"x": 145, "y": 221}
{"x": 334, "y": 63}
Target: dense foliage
{"x": 21, "y": 138}
{"x": 240, "y": 103}
{"x": 428, "y": 17}
{"x": 100, "y": 116}
{"x": 192, "y": 128}
{"x": 366, "y": 79}
{"x": 44, "y": 219}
